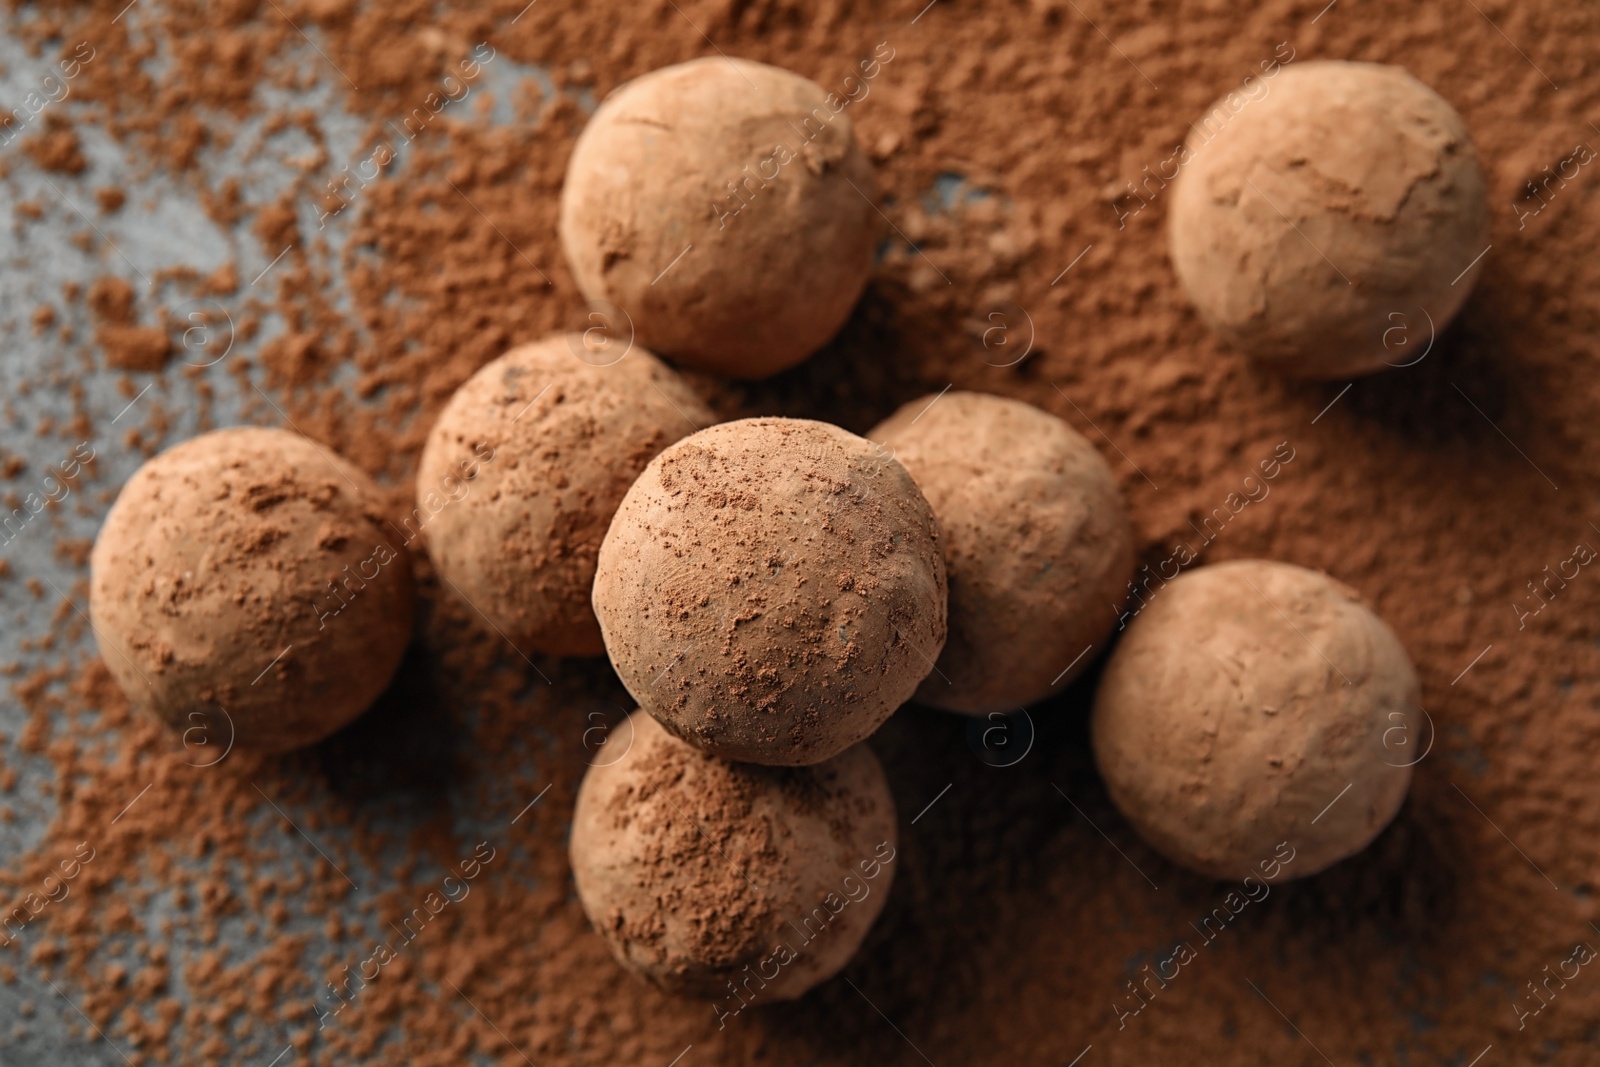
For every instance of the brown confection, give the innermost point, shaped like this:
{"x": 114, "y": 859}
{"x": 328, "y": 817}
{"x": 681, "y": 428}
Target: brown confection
{"x": 772, "y": 589}
{"x": 740, "y": 883}
{"x": 523, "y": 471}
{"x": 249, "y": 574}
{"x": 1037, "y": 544}
{"x": 726, "y": 208}
{"x": 1329, "y": 221}
{"x": 1249, "y": 705}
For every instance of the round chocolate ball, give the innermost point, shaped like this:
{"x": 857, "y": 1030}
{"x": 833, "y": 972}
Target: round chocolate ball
{"x": 246, "y": 582}
{"x": 725, "y": 207}
{"x": 1324, "y": 226}
{"x": 523, "y": 471}
{"x": 1037, "y": 545}
{"x": 772, "y": 589}
{"x": 741, "y": 883}
{"x": 1251, "y": 705}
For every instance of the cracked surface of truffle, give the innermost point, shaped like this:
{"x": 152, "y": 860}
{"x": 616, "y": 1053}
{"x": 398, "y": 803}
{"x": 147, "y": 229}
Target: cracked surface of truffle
{"x": 1323, "y": 228}
{"x": 725, "y": 207}
{"x": 250, "y": 575}
{"x": 699, "y": 872}
{"x": 1238, "y": 708}
{"x": 772, "y": 589}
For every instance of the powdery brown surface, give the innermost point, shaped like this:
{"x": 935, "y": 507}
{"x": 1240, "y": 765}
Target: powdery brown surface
{"x": 1438, "y": 492}
{"x": 250, "y": 545}
{"x": 1037, "y": 545}
{"x": 771, "y": 590}
{"x": 523, "y": 471}
{"x": 731, "y": 882}
{"x": 1348, "y": 192}
{"x": 735, "y": 225}
{"x": 1256, "y": 704}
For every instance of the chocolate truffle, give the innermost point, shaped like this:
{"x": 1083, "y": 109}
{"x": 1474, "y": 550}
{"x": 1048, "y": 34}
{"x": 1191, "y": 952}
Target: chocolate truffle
{"x": 772, "y": 589}
{"x": 725, "y": 207}
{"x": 745, "y": 884}
{"x": 1037, "y": 544}
{"x": 249, "y": 576}
{"x": 1321, "y": 227}
{"x": 523, "y": 471}
{"x": 1249, "y": 706}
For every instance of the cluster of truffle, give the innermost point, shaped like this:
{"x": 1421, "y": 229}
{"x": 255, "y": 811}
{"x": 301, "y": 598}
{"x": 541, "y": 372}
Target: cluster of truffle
{"x": 771, "y": 590}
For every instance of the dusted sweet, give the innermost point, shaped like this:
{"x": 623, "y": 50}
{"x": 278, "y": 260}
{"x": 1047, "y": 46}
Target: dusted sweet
{"x": 1251, "y": 704}
{"x": 741, "y": 883}
{"x": 1038, "y": 548}
{"x": 772, "y": 589}
{"x": 249, "y": 575}
{"x": 523, "y": 471}
{"x": 725, "y": 207}
{"x": 1322, "y": 227}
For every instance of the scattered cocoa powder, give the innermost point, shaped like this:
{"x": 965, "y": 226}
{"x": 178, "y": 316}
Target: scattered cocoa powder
{"x": 127, "y": 346}
{"x": 56, "y": 147}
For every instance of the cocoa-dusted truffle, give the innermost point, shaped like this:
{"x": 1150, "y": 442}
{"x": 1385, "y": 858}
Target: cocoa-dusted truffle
{"x": 1249, "y": 705}
{"x": 724, "y": 206}
{"x": 523, "y": 471}
{"x": 249, "y": 576}
{"x": 1037, "y": 544}
{"x": 772, "y": 589}
{"x": 741, "y": 883}
{"x": 1320, "y": 227}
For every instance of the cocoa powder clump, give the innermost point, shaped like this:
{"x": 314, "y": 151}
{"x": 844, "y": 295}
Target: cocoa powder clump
{"x": 127, "y": 345}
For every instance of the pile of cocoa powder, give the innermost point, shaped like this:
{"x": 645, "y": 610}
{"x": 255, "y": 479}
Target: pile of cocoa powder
{"x": 1020, "y": 150}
